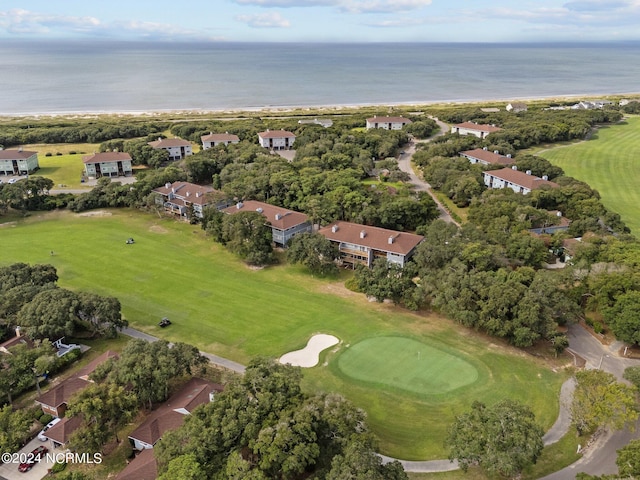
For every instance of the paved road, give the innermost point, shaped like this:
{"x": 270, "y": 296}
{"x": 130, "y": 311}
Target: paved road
{"x": 404, "y": 163}
{"x": 600, "y": 458}
{"x": 216, "y": 360}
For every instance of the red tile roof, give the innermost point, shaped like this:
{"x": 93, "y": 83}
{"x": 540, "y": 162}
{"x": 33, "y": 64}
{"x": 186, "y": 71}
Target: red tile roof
{"x": 194, "y": 393}
{"x": 279, "y": 217}
{"x": 62, "y": 430}
{"x": 487, "y": 156}
{"x": 220, "y": 137}
{"x": 478, "y": 126}
{"x": 195, "y": 193}
{"x": 169, "y": 142}
{"x": 143, "y": 467}
{"x": 15, "y": 154}
{"x": 64, "y": 391}
{"x": 93, "y": 364}
{"x": 520, "y": 178}
{"x": 105, "y": 157}
{"x": 374, "y": 237}
{"x": 60, "y": 394}
{"x": 388, "y": 120}
{"x": 15, "y": 341}
{"x": 276, "y": 134}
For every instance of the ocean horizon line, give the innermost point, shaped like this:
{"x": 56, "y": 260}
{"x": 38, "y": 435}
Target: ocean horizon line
{"x": 291, "y": 107}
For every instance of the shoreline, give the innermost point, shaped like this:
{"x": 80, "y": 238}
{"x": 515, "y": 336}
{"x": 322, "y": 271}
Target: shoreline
{"x": 310, "y": 108}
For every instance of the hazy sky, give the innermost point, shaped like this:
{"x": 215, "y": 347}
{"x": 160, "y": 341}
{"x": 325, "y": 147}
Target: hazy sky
{"x": 323, "y": 20}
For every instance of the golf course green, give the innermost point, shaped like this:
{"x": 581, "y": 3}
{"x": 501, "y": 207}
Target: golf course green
{"x": 429, "y": 369}
{"x": 406, "y": 364}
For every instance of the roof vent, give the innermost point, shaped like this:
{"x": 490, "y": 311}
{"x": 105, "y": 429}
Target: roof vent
{"x": 528, "y": 172}
{"x": 508, "y": 155}
{"x": 167, "y": 185}
{"x": 514, "y": 168}
{"x": 173, "y": 190}
{"x": 19, "y": 149}
{"x": 239, "y": 205}
{"x": 390, "y": 241}
{"x": 363, "y": 234}
{"x": 545, "y": 177}
{"x": 188, "y": 194}
{"x": 485, "y": 148}
{"x": 558, "y": 214}
{"x": 278, "y": 216}
{"x": 198, "y": 194}
{"x": 259, "y": 209}
{"x": 496, "y": 152}
{"x": 334, "y": 229}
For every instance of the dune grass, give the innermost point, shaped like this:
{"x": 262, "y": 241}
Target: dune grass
{"x": 609, "y": 163}
{"x": 224, "y": 307}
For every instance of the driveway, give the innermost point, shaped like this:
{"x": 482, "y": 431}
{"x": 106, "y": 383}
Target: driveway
{"x": 9, "y": 471}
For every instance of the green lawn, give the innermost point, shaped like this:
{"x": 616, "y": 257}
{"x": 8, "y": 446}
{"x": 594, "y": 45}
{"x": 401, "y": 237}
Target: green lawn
{"x": 608, "y": 162}
{"x": 224, "y": 307}
{"x": 62, "y": 166}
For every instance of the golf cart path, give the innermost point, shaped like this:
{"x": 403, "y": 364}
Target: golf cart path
{"x": 578, "y": 338}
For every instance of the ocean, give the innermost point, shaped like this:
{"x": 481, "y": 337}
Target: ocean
{"x": 103, "y": 76}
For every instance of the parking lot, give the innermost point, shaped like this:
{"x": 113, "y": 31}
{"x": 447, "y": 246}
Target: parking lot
{"x": 9, "y": 471}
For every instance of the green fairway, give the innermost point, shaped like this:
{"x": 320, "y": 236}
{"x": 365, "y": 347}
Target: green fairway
{"x": 219, "y": 304}
{"x": 406, "y": 364}
{"x": 608, "y": 162}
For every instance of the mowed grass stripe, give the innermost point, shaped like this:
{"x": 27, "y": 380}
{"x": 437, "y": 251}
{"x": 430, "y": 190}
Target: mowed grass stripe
{"x": 406, "y": 364}
{"x": 608, "y": 162}
{"x": 220, "y": 305}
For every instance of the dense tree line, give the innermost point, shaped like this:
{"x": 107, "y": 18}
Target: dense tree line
{"x": 262, "y": 426}
{"x": 25, "y": 132}
{"x": 30, "y": 298}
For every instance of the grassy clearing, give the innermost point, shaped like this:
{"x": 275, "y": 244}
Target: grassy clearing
{"x": 220, "y": 305}
{"x": 63, "y": 167}
{"x": 609, "y": 163}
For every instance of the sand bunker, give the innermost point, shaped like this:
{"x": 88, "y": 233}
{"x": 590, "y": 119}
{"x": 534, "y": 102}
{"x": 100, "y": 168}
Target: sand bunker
{"x": 309, "y": 356}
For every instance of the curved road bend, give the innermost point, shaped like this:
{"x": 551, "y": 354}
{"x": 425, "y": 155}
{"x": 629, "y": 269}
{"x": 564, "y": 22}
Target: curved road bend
{"x": 404, "y": 163}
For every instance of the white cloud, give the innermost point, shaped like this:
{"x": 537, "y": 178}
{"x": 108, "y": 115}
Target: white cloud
{"x": 348, "y": 6}
{"x": 382, "y": 6}
{"x": 264, "y": 20}
{"x": 25, "y": 22}
{"x": 287, "y": 3}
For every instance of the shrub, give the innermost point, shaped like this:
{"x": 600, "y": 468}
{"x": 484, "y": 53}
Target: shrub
{"x": 48, "y": 154}
{"x": 45, "y": 418}
{"x": 598, "y": 327}
{"x": 72, "y": 152}
{"x": 58, "y": 153}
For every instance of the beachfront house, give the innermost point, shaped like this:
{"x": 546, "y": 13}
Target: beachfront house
{"x": 18, "y": 162}
{"x": 108, "y": 164}
{"x": 362, "y": 244}
{"x": 516, "y": 107}
{"x": 485, "y": 157}
{"x": 519, "y": 182}
{"x": 176, "y": 147}
{"x": 471, "y": 128}
{"x": 215, "y": 139}
{"x": 185, "y": 199}
{"x": 387, "y": 123}
{"x": 284, "y": 223}
{"x": 171, "y": 415}
{"x": 276, "y": 139}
